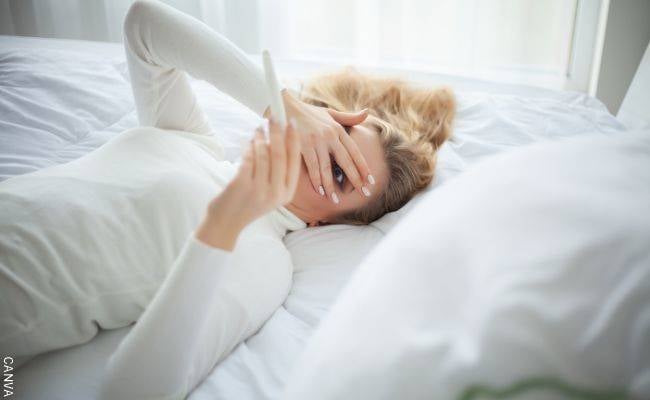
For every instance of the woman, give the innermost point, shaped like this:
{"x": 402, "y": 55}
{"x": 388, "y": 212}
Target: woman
{"x": 329, "y": 166}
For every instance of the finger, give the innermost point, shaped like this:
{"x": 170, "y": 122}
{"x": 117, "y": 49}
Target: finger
{"x": 325, "y": 165}
{"x": 261, "y": 169}
{"x": 347, "y": 165}
{"x": 349, "y": 118}
{"x": 293, "y": 159}
{"x": 358, "y": 158}
{"x": 278, "y": 159}
{"x": 311, "y": 162}
{"x": 246, "y": 167}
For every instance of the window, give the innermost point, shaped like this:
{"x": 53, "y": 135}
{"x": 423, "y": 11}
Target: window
{"x": 512, "y": 40}
{"x": 548, "y": 43}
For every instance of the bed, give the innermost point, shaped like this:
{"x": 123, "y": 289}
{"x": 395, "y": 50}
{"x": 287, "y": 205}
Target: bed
{"x": 61, "y": 99}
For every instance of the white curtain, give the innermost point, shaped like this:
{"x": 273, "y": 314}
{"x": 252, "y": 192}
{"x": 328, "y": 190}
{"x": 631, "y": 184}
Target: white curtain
{"x": 86, "y": 19}
{"x": 469, "y": 37}
{"x": 486, "y": 38}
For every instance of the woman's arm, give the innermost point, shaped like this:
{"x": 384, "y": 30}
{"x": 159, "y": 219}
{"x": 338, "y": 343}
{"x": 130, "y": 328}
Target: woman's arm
{"x": 165, "y": 352}
{"x": 216, "y": 294}
{"x": 161, "y": 45}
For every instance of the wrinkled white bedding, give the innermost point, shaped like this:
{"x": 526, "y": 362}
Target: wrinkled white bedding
{"x": 530, "y": 270}
{"x": 61, "y": 99}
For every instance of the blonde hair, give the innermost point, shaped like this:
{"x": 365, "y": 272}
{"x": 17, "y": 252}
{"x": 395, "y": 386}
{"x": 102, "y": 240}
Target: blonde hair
{"x": 412, "y": 122}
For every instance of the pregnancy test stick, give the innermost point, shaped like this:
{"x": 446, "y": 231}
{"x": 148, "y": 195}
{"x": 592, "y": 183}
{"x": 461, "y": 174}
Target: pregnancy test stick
{"x": 273, "y": 87}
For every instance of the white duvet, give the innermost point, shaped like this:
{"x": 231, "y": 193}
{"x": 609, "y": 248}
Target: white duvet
{"x": 61, "y": 99}
{"x": 528, "y": 275}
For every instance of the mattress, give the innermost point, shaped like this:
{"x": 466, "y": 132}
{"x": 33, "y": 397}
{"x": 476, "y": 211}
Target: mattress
{"x": 60, "y": 99}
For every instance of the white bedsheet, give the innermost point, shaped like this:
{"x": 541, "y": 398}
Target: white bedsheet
{"x": 61, "y": 99}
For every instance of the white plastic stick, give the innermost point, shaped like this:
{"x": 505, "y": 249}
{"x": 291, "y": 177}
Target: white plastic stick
{"x": 273, "y": 87}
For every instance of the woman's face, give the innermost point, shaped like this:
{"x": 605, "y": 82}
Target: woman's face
{"x": 315, "y": 209}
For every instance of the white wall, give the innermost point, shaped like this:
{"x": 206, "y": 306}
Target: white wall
{"x": 626, "y": 38}
{"x": 635, "y": 109}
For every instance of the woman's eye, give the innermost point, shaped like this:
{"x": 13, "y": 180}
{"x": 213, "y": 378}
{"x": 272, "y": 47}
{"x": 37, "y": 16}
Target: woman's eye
{"x": 338, "y": 174}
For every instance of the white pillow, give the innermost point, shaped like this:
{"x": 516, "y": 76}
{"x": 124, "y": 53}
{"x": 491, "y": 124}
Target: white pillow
{"x": 527, "y": 275}
{"x": 324, "y": 258}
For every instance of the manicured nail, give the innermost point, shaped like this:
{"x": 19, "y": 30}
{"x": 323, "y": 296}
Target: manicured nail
{"x": 292, "y": 122}
{"x": 371, "y": 179}
{"x": 365, "y": 191}
{"x": 335, "y": 198}
{"x": 321, "y": 190}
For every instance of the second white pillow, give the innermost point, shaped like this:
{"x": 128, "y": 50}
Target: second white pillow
{"x": 528, "y": 273}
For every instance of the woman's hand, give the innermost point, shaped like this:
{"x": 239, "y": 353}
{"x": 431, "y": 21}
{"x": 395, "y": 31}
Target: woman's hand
{"x": 321, "y": 134}
{"x": 266, "y": 179}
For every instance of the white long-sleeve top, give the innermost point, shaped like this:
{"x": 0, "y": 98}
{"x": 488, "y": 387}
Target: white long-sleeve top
{"x": 212, "y": 299}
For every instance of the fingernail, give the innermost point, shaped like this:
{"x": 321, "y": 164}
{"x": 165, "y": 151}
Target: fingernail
{"x": 292, "y": 122}
{"x": 335, "y": 198}
{"x": 371, "y": 179}
{"x": 321, "y": 190}
{"x": 365, "y": 191}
